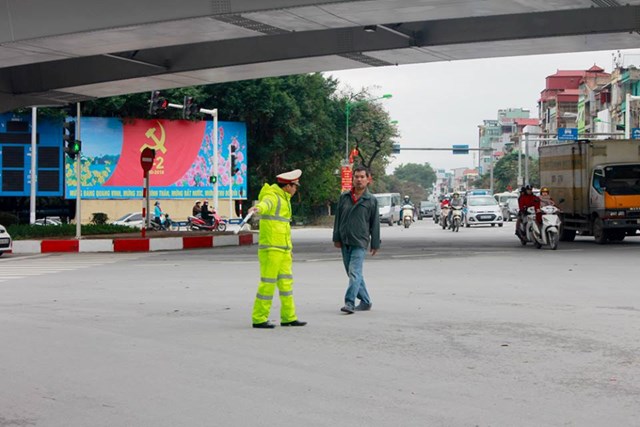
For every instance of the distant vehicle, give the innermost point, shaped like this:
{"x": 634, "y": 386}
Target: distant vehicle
{"x": 479, "y": 192}
{"x": 483, "y": 210}
{"x": 51, "y": 220}
{"x": 389, "y": 205}
{"x": 426, "y": 209}
{"x": 132, "y": 219}
{"x": 503, "y": 199}
{"x": 512, "y": 209}
{"x": 5, "y": 240}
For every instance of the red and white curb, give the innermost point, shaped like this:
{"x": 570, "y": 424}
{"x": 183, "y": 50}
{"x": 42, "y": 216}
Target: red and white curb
{"x": 131, "y": 244}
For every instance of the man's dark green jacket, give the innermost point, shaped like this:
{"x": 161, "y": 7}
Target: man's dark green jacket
{"x": 357, "y": 224}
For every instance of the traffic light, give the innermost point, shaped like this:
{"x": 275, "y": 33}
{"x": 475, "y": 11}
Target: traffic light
{"x": 234, "y": 167}
{"x": 71, "y": 146}
{"x": 157, "y": 104}
{"x": 189, "y": 108}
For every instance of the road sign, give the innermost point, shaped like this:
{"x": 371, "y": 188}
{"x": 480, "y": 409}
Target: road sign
{"x": 146, "y": 158}
{"x": 635, "y": 133}
{"x": 567, "y": 134}
{"x": 460, "y": 149}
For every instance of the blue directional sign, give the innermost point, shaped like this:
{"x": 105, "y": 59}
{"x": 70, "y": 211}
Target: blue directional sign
{"x": 460, "y": 149}
{"x": 567, "y": 134}
{"x": 635, "y": 133}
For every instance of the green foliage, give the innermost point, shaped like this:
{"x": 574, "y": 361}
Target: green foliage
{"x": 505, "y": 173}
{"x": 27, "y": 231}
{"x": 8, "y": 219}
{"x": 99, "y": 218}
{"x": 423, "y": 175}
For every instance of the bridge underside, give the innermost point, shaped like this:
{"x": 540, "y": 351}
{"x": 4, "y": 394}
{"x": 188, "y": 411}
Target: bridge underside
{"x": 112, "y": 48}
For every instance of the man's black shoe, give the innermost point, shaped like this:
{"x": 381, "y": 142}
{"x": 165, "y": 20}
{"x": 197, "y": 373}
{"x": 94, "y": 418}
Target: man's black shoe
{"x": 294, "y": 323}
{"x": 348, "y": 309}
{"x": 264, "y": 325}
{"x": 363, "y": 307}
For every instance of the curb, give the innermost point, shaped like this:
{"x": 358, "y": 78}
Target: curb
{"x": 132, "y": 244}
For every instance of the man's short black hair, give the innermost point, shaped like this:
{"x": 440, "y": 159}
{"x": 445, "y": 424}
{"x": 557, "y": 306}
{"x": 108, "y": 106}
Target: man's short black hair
{"x": 361, "y": 168}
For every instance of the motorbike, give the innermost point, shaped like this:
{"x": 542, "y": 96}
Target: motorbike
{"x": 196, "y": 223}
{"x": 456, "y": 218}
{"x": 407, "y": 215}
{"x": 547, "y": 233}
{"x": 164, "y": 224}
{"x": 444, "y": 215}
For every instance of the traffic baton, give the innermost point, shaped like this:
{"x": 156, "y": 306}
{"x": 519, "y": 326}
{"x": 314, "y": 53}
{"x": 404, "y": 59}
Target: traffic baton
{"x": 243, "y": 223}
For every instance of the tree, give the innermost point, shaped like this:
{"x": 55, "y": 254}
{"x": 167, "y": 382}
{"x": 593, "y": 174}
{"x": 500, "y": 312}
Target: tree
{"x": 505, "y": 173}
{"x": 424, "y": 175}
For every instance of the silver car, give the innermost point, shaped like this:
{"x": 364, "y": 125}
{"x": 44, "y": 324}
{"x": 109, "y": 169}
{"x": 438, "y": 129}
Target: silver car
{"x": 483, "y": 210}
{"x": 5, "y": 240}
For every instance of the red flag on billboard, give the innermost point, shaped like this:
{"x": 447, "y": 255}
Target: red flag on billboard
{"x": 176, "y": 143}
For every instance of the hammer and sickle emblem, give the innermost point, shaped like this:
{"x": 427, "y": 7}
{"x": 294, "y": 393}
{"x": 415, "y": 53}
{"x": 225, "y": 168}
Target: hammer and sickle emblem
{"x": 159, "y": 142}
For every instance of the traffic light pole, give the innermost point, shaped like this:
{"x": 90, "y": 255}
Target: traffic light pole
{"x": 214, "y": 115}
{"x": 34, "y": 165}
{"x": 78, "y": 177}
{"x": 230, "y": 183}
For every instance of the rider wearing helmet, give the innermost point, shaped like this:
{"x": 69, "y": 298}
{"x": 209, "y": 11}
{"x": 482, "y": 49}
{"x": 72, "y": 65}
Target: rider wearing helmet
{"x": 406, "y": 201}
{"x": 456, "y": 202}
{"x": 526, "y": 200}
{"x": 545, "y": 200}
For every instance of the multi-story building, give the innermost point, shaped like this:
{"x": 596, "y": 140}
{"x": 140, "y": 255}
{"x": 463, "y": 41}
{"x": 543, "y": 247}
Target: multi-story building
{"x": 558, "y": 106}
{"x": 500, "y": 135}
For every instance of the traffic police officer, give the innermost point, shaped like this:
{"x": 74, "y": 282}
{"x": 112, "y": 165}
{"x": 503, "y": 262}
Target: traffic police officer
{"x": 274, "y": 251}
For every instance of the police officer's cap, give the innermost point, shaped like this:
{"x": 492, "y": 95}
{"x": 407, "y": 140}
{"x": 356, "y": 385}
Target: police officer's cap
{"x": 291, "y": 177}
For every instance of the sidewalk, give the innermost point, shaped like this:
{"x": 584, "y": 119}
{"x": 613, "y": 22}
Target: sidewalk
{"x": 135, "y": 243}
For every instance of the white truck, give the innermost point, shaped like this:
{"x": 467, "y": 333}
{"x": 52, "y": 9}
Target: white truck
{"x": 596, "y": 184}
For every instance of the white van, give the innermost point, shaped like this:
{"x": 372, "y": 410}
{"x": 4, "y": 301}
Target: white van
{"x": 389, "y": 205}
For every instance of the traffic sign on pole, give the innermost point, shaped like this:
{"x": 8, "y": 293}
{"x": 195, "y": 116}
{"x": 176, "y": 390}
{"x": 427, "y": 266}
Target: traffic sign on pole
{"x": 461, "y": 149}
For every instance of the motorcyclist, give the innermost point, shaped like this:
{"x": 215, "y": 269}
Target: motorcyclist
{"x": 407, "y": 201}
{"x": 526, "y": 200}
{"x": 545, "y": 200}
{"x": 157, "y": 213}
{"x": 205, "y": 213}
{"x": 456, "y": 202}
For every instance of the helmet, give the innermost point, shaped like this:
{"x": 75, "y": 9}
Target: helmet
{"x": 522, "y": 189}
{"x": 197, "y": 201}
{"x": 406, "y": 197}
{"x": 544, "y": 190}
{"x": 456, "y": 194}
{"x": 528, "y": 187}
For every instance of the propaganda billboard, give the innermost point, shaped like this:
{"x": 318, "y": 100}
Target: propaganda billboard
{"x": 183, "y": 163}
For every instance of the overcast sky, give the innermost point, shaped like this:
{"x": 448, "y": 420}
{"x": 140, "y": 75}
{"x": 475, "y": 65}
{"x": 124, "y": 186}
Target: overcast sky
{"x": 441, "y": 104}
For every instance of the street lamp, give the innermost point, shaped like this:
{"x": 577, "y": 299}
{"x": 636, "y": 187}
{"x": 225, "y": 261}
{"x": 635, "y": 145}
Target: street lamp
{"x": 348, "y": 112}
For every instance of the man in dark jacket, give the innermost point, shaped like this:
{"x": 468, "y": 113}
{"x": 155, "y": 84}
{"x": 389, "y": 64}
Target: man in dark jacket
{"x": 356, "y": 228}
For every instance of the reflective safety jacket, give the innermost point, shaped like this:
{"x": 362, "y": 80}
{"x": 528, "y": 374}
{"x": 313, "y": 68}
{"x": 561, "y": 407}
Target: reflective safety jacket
{"x": 274, "y": 207}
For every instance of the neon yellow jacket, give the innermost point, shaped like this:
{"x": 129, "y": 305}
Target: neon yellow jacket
{"x": 274, "y": 207}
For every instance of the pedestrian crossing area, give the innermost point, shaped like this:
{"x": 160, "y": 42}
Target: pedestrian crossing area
{"x": 40, "y": 265}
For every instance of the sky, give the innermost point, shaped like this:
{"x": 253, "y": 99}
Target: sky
{"x": 441, "y": 104}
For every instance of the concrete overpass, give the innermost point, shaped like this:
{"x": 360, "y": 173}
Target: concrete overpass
{"x": 53, "y": 53}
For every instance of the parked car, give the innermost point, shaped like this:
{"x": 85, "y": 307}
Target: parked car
{"x": 5, "y": 240}
{"x": 426, "y": 209}
{"x": 50, "y": 220}
{"x": 483, "y": 210}
{"x": 132, "y": 219}
{"x": 389, "y": 205}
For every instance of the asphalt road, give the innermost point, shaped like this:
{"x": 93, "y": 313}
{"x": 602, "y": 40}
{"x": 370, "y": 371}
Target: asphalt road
{"x": 467, "y": 329}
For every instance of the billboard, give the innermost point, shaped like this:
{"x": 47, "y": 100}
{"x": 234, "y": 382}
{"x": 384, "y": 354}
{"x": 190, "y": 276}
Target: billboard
{"x": 111, "y": 169}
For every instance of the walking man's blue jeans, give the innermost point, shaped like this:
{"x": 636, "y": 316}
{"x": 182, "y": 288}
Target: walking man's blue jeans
{"x": 353, "y": 258}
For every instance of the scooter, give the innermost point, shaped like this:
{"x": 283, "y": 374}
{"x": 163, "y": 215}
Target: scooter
{"x": 456, "y": 218}
{"x": 196, "y": 223}
{"x": 444, "y": 214}
{"x": 546, "y": 234}
{"x": 407, "y": 215}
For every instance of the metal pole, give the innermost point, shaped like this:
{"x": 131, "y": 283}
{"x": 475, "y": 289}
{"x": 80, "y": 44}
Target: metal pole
{"x": 78, "y": 177}
{"x": 346, "y": 145}
{"x": 526, "y": 159}
{"x": 491, "y": 175}
{"x": 230, "y": 186}
{"x": 214, "y": 114}
{"x": 34, "y": 165}
{"x": 627, "y": 117}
